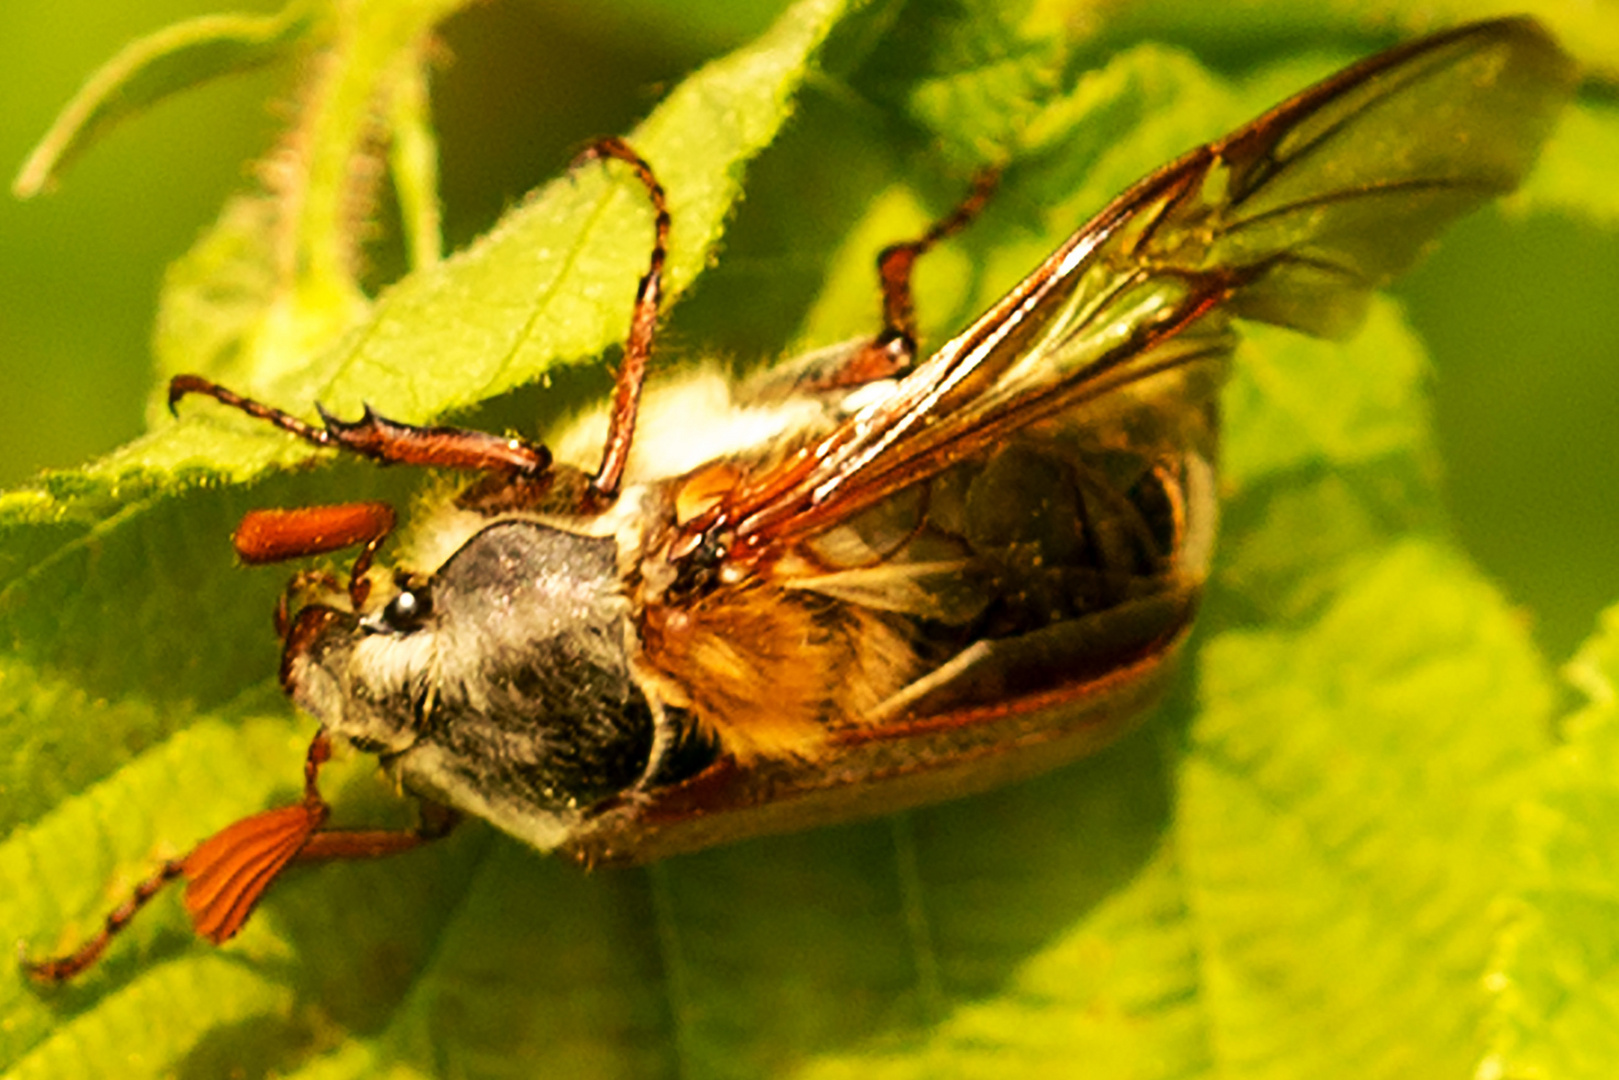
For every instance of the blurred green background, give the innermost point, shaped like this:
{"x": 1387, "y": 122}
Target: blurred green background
{"x": 522, "y": 86}
{"x": 1526, "y": 400}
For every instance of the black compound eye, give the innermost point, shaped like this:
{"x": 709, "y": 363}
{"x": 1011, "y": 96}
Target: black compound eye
{"x": 408, "y": 610}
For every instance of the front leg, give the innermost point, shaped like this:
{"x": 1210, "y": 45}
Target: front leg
{"x": 382, "y": 440}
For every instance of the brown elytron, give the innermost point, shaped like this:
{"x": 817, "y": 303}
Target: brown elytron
{"x": 923, "y": 580}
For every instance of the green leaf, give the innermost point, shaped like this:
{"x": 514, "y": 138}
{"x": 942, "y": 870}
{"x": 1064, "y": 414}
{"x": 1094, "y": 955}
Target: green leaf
{"x": 1342, "y": 805}
{"x": 1299, "y": 866}
{"x": 275, "y": 282}
{"x": 1556, "y": 981}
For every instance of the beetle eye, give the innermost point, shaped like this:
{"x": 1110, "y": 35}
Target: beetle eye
{"x": 408, "y": 610}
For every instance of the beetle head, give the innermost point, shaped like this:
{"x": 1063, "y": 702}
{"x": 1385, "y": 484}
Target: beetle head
{"x": 503, "y": 675}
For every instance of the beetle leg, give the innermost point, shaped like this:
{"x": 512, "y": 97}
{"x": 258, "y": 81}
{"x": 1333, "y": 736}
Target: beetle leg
{"x": 383, "y": 440}
{"x": 436, "y": 822}
{"x": 60, "y": 968}
{"x": 643, "y": 322}
{"x": 304, "y": 581}
{"x": 229, "y": 873}
{"x": 896, "y": 262}
{"x": 893, "y": 350}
